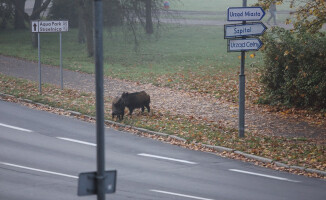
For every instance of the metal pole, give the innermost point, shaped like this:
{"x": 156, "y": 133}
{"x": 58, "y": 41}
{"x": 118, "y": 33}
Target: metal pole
{"x": 39, "y": 62}
{"x": 61, "y": 70}
{"x": 242, "y": 82}
{"x": 99, "y": 100}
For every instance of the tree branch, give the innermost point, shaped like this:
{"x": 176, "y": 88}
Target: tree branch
{"x": 41, "y": 9}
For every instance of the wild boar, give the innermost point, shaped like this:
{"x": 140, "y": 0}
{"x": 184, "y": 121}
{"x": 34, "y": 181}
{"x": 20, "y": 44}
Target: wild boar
{"x": 136, "y": 100}
{"x": 118, "y": 108}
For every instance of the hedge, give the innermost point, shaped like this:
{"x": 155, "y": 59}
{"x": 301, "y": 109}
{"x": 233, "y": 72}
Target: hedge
{"x": 295, "y": 69}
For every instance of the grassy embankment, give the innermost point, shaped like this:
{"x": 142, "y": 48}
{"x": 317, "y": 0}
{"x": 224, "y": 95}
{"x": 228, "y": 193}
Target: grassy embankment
{"x": 292, "y": 151}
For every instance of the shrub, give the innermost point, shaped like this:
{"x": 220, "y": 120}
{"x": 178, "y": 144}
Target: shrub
{"x": 295, "y": 69}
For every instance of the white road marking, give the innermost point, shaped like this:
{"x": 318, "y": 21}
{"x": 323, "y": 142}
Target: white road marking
{"x": 38, "y": 170}
{"x": 180, "y": 195}
{"x": 77, "y": 141}
{"x": 15, "y": 127}
{"x": 263, "y": 175}
{"x": 166, "y": 158}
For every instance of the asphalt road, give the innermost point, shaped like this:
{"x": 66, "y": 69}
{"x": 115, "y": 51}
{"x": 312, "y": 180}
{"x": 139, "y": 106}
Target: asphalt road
{"x": 41, "y": 155}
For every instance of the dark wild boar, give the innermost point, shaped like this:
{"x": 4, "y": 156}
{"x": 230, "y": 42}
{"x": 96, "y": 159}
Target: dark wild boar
{"x": 118, "y": 108}
{"x": 136, "y": 100}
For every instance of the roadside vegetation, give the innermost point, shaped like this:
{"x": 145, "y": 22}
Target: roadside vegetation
{"x": 309, "y": 153}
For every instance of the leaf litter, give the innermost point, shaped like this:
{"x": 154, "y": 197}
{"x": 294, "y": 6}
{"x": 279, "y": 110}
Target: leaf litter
{"x": 199, "y": 118}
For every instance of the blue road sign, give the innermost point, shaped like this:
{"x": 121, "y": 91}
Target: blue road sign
{"x": 245, "y": 13}
{"x": 240, "y": 30}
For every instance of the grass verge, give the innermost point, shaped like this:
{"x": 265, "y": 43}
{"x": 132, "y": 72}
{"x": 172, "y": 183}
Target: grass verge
{"x": 292, "y": 151}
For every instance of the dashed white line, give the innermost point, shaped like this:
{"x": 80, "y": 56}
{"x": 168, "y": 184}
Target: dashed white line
{"x": 263, "y": 175}
{"x": 15, "y": 127}
{"x": 180, "y": 195}
{"x": 77, "y": 141}
{"x": 166, "y": 158}
{"x": 38, "y": 170}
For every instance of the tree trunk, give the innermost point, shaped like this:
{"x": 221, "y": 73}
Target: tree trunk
{"x": 19, "y": 15}
{"x": 37, "y": 6}
{"x": 6, "y": 15}
{"x": 149, "y": 22}
{"x": 86, "y": 8}
{"x": 81, "y": 26}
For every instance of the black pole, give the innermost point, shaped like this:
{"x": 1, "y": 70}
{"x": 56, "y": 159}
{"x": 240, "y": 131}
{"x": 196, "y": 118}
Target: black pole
{"x": 242, "y": 82}
{"x": 100, "y": 178}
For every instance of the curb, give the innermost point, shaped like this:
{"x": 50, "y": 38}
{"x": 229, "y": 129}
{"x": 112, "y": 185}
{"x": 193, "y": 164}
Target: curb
{"x": 216, "y": 148}
{"x": 258, "y": 158}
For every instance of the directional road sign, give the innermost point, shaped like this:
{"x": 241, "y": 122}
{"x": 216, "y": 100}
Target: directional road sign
{"x": 49, "y": 26}
{"x": 245, "y": 13}
{"x": 240, "y": 30}
{"x": 248, "y": 44}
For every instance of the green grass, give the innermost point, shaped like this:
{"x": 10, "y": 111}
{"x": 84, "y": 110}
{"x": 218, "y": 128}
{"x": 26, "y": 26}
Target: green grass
{"x": 178, "y": 49}
{"x": 206, "y": 5}
{"x": 214, "y": 5}
{"x": 184, "y": 57}
{"x": 219, "y": 6}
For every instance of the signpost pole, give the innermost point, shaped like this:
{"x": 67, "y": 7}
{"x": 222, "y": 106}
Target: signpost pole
{"x": 239, "y": 39}
{"x": 39, "y": 62}
{"x": 242, "y": 82}
{"x": 100, "y": 176}
{"x": 100, "y": 182}
{"x": 61, "y": 70}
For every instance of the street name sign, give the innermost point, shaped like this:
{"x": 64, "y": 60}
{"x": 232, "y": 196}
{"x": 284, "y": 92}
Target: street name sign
{"x": 248, "y": 44}
{"x": 49, "y": 26}
{"x": 245, "y": 13}
{"x": 240, "y": 30}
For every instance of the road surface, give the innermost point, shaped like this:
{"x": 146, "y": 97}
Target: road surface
{"x": 41, "y": 155}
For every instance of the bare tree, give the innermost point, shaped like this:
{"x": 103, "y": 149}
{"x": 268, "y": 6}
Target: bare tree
{"x": 21, "y": 17}
{"x": 6, "y": 13}
{"x": 149, "y": 21}
{"x": 19, "y": 14}
{"x": 86, "y": 12}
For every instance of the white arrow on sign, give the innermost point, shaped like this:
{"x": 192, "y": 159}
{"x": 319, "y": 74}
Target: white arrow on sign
{"x": 239, "y": 30}
{"x": 248, "y": 44}
{"x": 245, "y": 13}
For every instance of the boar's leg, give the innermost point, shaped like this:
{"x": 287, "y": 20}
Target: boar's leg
{"x": 148, "y": 108}
{"x": 130, "y": 111}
